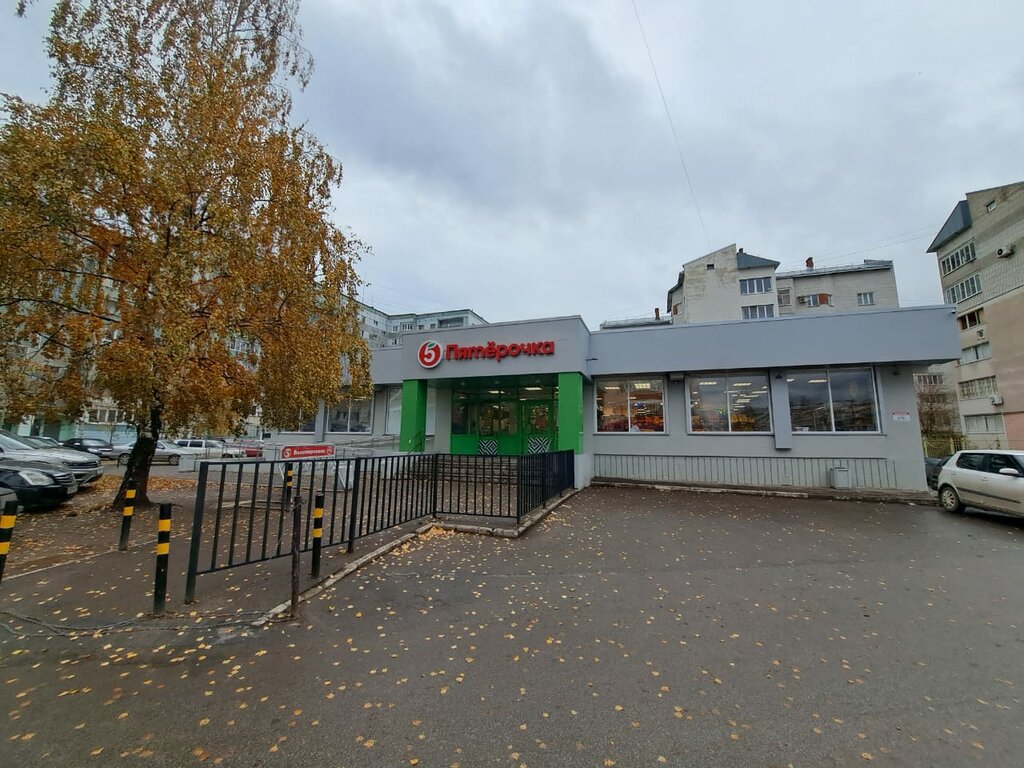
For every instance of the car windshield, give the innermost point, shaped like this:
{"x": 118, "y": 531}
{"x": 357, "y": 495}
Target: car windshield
{"x": 12, "y": 443}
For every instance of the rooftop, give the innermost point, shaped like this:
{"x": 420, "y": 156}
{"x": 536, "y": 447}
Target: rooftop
{"x": 867, "y": 266}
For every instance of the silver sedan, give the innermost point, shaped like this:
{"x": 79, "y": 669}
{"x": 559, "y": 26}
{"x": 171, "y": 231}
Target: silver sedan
{"x": 168, "y": 452}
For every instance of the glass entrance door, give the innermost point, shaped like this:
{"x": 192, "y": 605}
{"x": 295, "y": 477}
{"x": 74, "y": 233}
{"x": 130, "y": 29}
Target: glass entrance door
{"x": 505, "y": 417}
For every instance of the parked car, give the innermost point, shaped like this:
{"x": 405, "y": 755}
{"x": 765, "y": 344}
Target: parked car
{"x": 168, "y": 452}
{"x": 212, "y": 449}
{"x": 38, "y": 485}
{"x": 84, "y": 466}
{"x": 932, "y": 467}
{"x": 92, "y": 445}
{"x": 39, "y": 441}
{"x": 992, "y": 480}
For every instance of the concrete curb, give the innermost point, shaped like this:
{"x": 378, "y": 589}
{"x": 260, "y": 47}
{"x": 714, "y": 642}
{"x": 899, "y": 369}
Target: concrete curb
{"x": 508, "y": 533}
{"x": 908, "y": 497}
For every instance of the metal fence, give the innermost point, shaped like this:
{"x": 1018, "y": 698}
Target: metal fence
{"x": 244, "y": 507}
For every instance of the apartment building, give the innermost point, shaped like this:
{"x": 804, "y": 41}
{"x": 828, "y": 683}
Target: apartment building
{"x": 730, "y": 284}
{"x": 382, "y": 330}
{"x": 982, "y": 275}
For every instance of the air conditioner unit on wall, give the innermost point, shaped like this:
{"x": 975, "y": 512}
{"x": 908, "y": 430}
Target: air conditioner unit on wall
{"x": 1005, "y": 251}
{"x": 996, "y": 399}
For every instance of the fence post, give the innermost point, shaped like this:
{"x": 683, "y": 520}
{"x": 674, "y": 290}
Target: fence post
{"x": 7, "y": 520}
{"x": 518, "y": 461}
{"x": 318, "y": 532}
{"x": 434, "y": 479}
{"x": 126, "y": 515}
{"x": 197, "y": 532}
{"x": 296, "y": 546}
{"x": 163, "y": 553}
{"x": 356, "y": 472}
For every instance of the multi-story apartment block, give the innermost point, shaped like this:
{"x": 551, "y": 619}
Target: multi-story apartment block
{"x": 383, "y": 330}
{"x": 730, "y": 284}
{"x": 983, "y": 277}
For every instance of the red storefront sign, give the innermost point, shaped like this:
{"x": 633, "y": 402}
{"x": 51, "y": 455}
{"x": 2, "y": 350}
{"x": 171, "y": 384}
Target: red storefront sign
{"x": 429, "y": 354}
{"x": 307, "y": 452}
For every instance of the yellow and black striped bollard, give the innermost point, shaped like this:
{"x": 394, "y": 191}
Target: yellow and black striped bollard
{"x": 10, "y": 514}
{"x": 163, "y": 553}
{"x": 318, "y": 534}
{"x": 126, "y": 516}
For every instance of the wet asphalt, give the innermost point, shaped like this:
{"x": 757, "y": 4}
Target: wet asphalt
{"x": 632, "y": 627}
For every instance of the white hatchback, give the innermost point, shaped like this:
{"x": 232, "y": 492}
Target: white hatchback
{"x": 983, "y": 479}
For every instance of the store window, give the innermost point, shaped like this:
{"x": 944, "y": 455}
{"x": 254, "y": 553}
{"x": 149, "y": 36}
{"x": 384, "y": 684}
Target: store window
{"x": 729, "y": 403}
{"x": 837, "y": 400}
{"x": 630, "y": 405}
{"x": 351, "y": 415}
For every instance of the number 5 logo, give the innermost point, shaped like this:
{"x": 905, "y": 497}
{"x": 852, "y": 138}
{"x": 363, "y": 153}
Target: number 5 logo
{"x": 429, "y": 354}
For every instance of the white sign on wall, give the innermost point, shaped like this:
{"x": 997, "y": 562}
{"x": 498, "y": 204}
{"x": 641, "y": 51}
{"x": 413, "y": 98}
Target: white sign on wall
{"x": 901, "y": 415}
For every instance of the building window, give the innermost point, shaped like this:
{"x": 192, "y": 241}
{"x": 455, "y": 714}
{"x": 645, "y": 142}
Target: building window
{"x": 710, "y": 267}
{"x": 675, "y": 309}
{"x": 983, "y": 387}
{"x": 815, "y": 299}
{"x": 729, "y": 403}
{"x": 306, "y": 424}
{"x": 990, "y": 206}
{"x": 964, "y": 290}
{"x": 962, "y": 255}
{"x": 393, "y": 418}
{"x": 928, "y": 379}
{"x": 785, "y": 299}
{"x": 836, "y": 400}
{"x": 351, "y": 416}
{"x": 971, "y": 319}
{"x": 866, "y": 299}
{"x": 630, "y": 405}
{"x": 981, "y": 351}
{"x": 104, "y": 416}
{"x": 987, "y": 422}
{"x": 756, "y": 285}
{"x": 758, "y": 312}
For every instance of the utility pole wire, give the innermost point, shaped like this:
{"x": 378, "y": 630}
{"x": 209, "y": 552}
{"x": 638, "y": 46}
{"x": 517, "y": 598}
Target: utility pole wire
{"x": 672, "y": 125}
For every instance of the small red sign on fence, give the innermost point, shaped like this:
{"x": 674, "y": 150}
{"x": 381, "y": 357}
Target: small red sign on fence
{"x": 307, "y": 452}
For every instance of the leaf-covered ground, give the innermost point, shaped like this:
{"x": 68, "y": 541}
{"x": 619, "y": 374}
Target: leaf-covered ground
{"x": 631, "y": 628}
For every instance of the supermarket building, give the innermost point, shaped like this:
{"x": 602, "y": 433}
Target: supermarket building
{"x": 791, "y": 401}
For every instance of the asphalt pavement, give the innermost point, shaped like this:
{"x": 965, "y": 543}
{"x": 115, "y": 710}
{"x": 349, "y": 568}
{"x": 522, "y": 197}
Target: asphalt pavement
{"x": 631, "y": 627}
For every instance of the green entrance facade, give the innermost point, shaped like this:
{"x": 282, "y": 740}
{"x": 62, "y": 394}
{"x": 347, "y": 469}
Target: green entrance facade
{"x": 505, "y": 416}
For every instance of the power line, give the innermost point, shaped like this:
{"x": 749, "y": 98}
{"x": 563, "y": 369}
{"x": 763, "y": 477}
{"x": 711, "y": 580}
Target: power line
{"x": 671, "y": 124}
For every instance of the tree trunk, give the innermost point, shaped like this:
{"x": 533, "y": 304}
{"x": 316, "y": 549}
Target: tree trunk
{"x": 140, "y": 460}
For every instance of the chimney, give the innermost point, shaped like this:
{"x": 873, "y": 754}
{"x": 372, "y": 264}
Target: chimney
{"x": 810, "y": 263}
{"x": 657, "y": 313}
{"x": 739, "y": 251}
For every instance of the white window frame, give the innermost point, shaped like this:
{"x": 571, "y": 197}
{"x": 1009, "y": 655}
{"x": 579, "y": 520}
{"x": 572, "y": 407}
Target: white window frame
{"x": 629, "y": 415}
{"x": 831, "y": 406}
{"x": 758, "y": 311}
{"x": 985, "y": 419}
{"x": 973, "y": 353}
{"x": 787, "y": 294}
{"x": 750, "y": 286}
{"x": 866, "y": 299}
{"x": 964, "y": 290}
{"x": 728, "y": 401}
{"x": 950, "y": 263}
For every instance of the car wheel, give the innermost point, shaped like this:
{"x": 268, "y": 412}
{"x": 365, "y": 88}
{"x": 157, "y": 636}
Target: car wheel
{"x": 950, "y": 499}
{"x": 173, "y": 459}
{"x": 122, "y": 459}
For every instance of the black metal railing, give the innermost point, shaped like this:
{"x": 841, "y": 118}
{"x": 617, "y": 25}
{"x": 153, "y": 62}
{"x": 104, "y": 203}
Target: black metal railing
{"x": 244, "y": 507}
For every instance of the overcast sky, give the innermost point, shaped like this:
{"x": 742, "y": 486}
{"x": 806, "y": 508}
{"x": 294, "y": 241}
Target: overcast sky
{"x": 514, "y": 157}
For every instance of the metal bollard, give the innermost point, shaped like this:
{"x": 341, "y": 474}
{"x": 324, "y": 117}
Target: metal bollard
{"x": 318, "y": 534}
{"x": 7, "y": 520}
{"x": 163, "y": 552}
{"x": 126, "y": 516}
{"x": 296, "y": 546}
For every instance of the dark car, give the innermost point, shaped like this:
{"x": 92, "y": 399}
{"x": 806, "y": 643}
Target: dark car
{"x": 37, "y": 484}
{"x": 92, "y": 445}
{"x": 932, "y": 467}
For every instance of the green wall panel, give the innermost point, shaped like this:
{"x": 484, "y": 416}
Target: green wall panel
{"x": 413, "y": 435}
{"x": 570, "y": 412}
